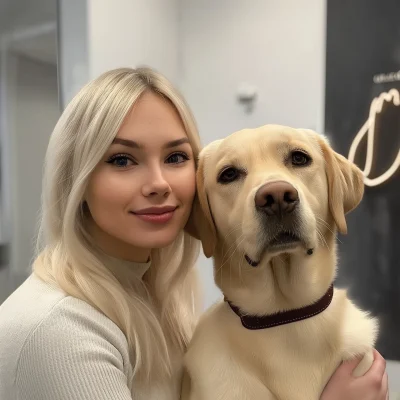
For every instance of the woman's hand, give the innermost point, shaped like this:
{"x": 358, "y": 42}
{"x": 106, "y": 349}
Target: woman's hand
{"x": 371, "y": 386}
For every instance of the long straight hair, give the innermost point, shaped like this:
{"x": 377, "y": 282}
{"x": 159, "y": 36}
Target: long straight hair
{"x": 67, "y": 255}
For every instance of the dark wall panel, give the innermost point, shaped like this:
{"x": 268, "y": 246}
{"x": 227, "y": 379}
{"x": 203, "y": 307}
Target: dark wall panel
{"x": 363, "y": 61}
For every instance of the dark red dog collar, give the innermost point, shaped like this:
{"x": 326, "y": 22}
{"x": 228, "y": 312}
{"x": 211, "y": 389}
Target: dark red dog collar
{"x": 254, "y": 322}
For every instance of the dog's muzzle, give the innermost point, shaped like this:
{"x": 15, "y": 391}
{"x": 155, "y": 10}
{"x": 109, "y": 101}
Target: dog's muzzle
{"x": 277, "y": 202}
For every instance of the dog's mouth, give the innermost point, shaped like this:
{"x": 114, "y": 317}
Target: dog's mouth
{"x": 283, "y": 241}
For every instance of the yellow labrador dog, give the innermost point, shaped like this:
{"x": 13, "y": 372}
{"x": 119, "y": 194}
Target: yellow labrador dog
{"x": 271, "y": 202}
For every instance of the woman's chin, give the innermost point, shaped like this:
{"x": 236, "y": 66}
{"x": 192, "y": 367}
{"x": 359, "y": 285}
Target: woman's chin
{"x": 155, "y": 241}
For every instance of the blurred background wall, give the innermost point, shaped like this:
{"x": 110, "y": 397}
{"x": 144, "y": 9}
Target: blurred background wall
{"x": 28, "y": 112}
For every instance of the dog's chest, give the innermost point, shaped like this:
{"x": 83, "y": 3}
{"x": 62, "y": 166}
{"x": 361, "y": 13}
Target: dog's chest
{"x": 293, "y": 361}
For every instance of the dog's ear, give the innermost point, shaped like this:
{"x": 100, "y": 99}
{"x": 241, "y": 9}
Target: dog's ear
{"x": 345, "y": 182}
{"x": 201, "y": 223}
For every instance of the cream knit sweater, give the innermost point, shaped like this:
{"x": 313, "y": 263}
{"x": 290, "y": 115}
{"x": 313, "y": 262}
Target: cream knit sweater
{"x": 56, "y": 347}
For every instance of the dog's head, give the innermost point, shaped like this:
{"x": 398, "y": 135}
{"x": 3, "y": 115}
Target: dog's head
{"x": 272, "y": 190}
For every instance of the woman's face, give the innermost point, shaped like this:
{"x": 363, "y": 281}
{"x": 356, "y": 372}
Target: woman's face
{"x": 140, "y": 194}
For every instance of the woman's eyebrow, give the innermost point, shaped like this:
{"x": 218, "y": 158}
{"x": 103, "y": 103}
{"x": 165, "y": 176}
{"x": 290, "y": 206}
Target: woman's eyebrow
{"x": 177, "y": 142}
{"x": 127, "y": 142}
{"x": 135, "y": 145}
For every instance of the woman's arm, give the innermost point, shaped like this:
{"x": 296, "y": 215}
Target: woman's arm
{"x": 371, "y": 386}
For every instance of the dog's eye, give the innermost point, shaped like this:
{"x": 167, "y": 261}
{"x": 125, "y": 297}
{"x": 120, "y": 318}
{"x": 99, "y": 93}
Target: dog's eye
{"x": 300, "y": 158}
{"x": 228, "y": 175}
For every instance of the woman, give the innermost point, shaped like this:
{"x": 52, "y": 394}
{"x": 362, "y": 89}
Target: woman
{"x": 112, "y": 302}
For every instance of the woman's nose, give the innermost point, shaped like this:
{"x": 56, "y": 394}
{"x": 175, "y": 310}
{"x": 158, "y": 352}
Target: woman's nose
{"x": 156, "y": 185}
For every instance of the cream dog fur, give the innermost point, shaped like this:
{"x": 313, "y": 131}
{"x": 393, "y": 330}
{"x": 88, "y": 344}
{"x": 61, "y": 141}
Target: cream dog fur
{"x": 226, "y": 361}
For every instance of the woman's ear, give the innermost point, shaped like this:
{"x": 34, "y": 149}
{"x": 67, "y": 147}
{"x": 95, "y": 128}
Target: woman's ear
{"x": 345, "y": 183}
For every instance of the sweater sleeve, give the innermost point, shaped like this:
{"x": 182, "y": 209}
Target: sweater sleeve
{"x": 75, "y": 353}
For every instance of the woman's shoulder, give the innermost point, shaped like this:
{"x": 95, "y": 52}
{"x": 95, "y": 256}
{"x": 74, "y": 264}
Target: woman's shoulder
{"x": 56, "y": 340}
{"x": 39, "y": 318}
{"x": 26, "y": 308}
{"x": 35, "y": 302}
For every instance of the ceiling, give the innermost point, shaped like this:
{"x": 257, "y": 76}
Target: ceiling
{"x": 18, "y": 16}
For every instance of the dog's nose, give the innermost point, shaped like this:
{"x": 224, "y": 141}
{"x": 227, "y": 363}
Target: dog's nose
{"x": 277, "y": 198}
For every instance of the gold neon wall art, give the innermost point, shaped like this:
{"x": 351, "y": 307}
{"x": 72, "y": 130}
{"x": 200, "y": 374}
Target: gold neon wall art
{"x": 368, "y": 131}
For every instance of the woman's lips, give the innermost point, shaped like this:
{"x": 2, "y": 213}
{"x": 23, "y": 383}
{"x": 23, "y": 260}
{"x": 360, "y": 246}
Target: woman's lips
{"x": 158, "y": 215}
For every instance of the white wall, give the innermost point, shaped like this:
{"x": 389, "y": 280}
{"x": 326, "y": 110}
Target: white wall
{"x": 96, "y": 36}
{"x": 393, "y": 370}
{"x": 20, "y": 14}
{"x": 7, "y": 73}
{"x": 128, "y": 33}
{"x": 7, "y": 107}
{"x": 73, "y": 47}
{"x": 34, "y": 115}
{"x": 29, "y": 29}
{"x": 278, "y": 46}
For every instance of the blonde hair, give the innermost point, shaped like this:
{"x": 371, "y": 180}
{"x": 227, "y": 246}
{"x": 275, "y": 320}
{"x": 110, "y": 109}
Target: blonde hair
{"x": 66, "y": 253}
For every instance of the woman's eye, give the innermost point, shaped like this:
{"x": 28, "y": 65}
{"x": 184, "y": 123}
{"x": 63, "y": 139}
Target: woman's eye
{"x": 120, "y": 161}
{"x": 177, "y": 158}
